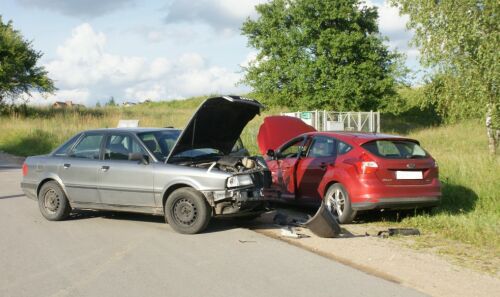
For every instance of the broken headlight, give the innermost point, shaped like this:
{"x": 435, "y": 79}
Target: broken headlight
{"x": 239, "y": 181}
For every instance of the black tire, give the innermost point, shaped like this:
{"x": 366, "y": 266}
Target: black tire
{"x": 53, "y": 203}
{"x": 343, "y": 210}
{"x": 187, "y": 211}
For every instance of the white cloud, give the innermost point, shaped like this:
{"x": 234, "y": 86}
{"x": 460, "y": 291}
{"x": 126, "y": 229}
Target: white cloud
{"x": 82, "y": 61}
{"x": 86, "y": 72}
{"x": 225, "y": 16}
{"x": 393, "y": 25}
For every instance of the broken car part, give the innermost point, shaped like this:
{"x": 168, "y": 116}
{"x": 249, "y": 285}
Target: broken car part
{"x": 398, "y": 231}
{"x": 323, "y": 223}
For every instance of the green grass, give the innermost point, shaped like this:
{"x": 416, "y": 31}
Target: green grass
{"x": 470, "y": 210}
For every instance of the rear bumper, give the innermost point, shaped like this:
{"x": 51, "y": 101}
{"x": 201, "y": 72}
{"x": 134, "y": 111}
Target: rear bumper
{"x": 29, "y": 190}
{"x": 398, "y": 203}
{"x": 372, "y": 194}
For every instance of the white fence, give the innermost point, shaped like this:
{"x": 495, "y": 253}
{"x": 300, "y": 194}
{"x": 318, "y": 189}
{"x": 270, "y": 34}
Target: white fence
{"x": 323, "y": 120}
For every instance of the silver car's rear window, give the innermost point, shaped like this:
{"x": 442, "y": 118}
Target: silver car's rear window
{"x": 395, "y": 149}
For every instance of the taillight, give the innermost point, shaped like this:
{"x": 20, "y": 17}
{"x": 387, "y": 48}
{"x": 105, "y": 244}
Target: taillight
{"x": 366, "y": 165}
{"x": 25, "y": 169}
{"x": 436, "y": 167}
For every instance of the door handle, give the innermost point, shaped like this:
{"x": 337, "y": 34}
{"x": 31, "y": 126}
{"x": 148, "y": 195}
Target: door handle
{"x": 66, "y": 165}
{"x": 105, "y": 168}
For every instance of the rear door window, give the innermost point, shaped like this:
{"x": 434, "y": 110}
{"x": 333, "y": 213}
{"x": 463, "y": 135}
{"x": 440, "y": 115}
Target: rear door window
{"x": 322, "y": 147}
{"x": 395, "y": 149}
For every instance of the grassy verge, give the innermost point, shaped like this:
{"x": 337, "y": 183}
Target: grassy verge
{"x": 469, "y": 214}
{"x": 470, "y": 209}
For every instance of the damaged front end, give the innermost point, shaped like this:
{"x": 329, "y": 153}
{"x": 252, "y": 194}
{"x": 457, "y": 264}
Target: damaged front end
{"x": 243, "y": 193}
{"x": 207, "y": 143}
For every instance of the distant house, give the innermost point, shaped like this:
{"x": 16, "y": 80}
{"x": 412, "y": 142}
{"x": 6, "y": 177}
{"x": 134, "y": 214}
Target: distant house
{"x": 59, "y": 104}
{"x": 128, "y": 104}
{"x": 66, "y": 104}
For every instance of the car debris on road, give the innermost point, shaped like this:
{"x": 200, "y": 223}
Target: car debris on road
{"x": 398, "y": 231}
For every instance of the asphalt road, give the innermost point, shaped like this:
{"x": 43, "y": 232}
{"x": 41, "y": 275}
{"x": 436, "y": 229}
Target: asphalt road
{"x": 106, "y": 254}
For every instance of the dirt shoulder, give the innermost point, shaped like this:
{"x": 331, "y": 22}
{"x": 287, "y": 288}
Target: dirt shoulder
{"x": 392, "y": 259}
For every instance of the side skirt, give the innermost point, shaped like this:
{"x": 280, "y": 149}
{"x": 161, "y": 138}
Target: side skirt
{"x": 114, "y": 207}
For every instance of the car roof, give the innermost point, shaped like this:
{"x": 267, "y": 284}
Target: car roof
{"x": 360, "y": 137}
{"x": 133, "y": 130}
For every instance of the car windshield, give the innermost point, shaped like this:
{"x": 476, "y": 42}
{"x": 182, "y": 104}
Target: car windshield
{"x": 160, "y": 143}
{"x": 395, "y": 149}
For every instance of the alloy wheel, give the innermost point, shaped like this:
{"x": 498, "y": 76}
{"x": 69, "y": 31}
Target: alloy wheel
{"x": 336, "y": 202}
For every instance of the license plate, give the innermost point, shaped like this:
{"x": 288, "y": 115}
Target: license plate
{"x": 409, "y": 175}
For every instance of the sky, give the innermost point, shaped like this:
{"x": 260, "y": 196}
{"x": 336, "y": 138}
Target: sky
{"x": 158, "y": 50}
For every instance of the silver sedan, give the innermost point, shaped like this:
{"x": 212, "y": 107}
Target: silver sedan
{"x": 188, "y": 176}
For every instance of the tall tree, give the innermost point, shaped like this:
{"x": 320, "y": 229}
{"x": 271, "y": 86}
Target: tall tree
{"x": 460, "y": 41}
{"x": 19, "y": 72}
{"x": 320, "y": 54}
{"x": 111, "y": 101}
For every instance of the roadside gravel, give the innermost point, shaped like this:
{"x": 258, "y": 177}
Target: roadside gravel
{"x": 393, "y": 260}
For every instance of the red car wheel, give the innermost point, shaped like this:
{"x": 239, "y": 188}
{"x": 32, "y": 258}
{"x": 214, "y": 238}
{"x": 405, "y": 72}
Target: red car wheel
{"x": 338, "y": 203}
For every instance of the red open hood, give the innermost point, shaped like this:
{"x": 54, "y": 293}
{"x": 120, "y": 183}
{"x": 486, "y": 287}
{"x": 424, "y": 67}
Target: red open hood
{"x": 276, "y": 130}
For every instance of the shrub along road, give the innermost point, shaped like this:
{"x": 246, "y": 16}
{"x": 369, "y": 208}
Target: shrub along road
{"x": 104, "y": 254}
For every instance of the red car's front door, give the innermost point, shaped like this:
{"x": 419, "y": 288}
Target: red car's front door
{"x": 311, "y": 169}
{"x": 288, "y": 158}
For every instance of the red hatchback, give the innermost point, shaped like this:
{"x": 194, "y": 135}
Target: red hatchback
{"x": 350, "y": 171}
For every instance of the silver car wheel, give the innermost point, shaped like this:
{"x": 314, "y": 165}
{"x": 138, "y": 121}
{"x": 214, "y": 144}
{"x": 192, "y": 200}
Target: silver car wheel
{"x": 51, "y": 201}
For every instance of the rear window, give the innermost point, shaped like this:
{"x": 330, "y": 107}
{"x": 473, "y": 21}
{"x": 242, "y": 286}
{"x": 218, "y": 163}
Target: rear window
{"x": 63, "y": 150}
{"x": 395, "y": 149}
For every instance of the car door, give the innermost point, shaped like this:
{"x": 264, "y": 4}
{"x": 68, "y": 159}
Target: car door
{"x": 79, "y": 167}
{"x": 124, "y": 182}
{"x": 312, "y": 168}
{"x": 287, "y": 158}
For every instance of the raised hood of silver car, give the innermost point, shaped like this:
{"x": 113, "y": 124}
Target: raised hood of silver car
{"x": 217, "y": 124}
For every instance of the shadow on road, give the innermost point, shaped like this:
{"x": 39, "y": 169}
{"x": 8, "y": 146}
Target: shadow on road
{"x": 216, "y": 225}
{"x": 128, "y": 216}
{"x": 11, "y": 196}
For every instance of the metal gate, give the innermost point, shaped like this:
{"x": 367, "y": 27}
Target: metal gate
{"x": 323, "y": 120}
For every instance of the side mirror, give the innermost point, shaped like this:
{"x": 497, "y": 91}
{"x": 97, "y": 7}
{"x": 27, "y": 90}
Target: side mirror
{"x": 144, "y": 159}
{"x": 271, "y": 153}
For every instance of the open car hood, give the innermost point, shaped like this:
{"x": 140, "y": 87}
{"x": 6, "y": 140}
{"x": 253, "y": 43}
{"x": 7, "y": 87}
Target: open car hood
{"x": 276, "y": 130}
{"x": 216, "y": 124}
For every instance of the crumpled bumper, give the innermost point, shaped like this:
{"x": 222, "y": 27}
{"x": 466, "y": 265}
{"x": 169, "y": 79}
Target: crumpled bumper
{"x": 235, "y": 202}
